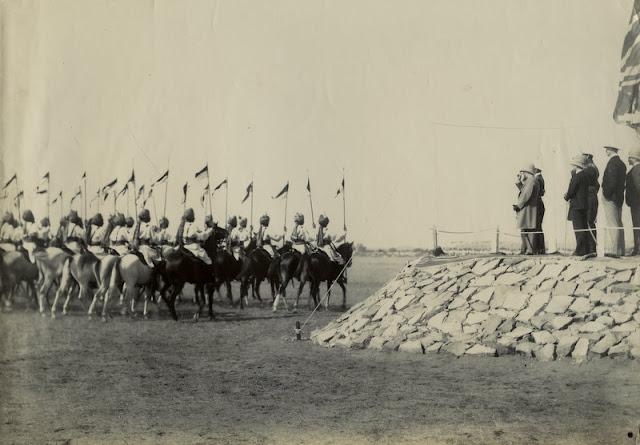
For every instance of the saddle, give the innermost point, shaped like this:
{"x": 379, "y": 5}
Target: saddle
{"x": 140, "y": 256}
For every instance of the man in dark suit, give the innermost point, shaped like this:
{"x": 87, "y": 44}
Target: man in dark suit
{"x": 577, "y": 195}
{"x": 633, "y": 197}
{"x": 613, "y": 182}
{"x": 538, "y": 239}
{"x": 592, "y": 199}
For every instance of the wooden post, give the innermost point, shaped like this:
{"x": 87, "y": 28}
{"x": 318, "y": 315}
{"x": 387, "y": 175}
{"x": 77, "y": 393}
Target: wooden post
{"x": 498, "y": 239}
{"x": 435, "y": 237}
{"x": 298, "y": 331}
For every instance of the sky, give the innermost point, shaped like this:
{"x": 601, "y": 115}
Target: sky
{"x": 430, "y": 108}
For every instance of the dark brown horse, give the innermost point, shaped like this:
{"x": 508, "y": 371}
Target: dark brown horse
{"x": 317, "y": 267}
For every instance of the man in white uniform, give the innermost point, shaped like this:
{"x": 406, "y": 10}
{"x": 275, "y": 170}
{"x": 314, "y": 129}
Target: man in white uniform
{"x": 146, "y": 238}
{"x": 299, "y": 235}
{"x": 97, "y": 233}
{"x": 74, "y": 233}
{"x": 240, "y": 239}
{"x": 192, "y": 236}
{"x": 119, "y": 237}
{"x": 265, "y": 237}
{"x": 6, "y": 231}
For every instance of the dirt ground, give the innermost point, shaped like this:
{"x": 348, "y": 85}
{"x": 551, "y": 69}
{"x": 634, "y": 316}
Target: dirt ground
{"x": 242, "y": 379}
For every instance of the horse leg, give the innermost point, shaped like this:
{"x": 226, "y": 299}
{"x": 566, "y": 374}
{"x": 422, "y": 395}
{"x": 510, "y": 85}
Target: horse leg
{"x": 42, "y": 293}
{"x": 326, "y": 303}
{"x": 344, "y": 294}
{"x": 257, "y": 287}
{"x": 210, "y": 291}
{"x": 92, "y": 306}
{"x": 145, "y": 308}
{"x": 66, "y": 301}
{"x": 199, "y": 296}
{"x": 300, "y": 288}
{"x": 64, "y": 287}
{"x": 171, "y": 301}
{"x": 132, "y": 293}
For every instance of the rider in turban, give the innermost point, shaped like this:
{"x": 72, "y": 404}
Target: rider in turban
{"x": 265, "y": 237}
{"x": 97, "y": 232}
{"x": 325, "y": 241}
{"x": 75, "y": 232}
{"x": 299, "y": 235}
{"x": 192, "y": 236}
{"x": 163, "y": 237}
{"x": 119, "y": 237}
{"x": 240, "y": 238}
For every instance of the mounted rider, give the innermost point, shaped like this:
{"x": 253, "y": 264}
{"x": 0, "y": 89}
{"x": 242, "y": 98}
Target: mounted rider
{"x": 231, "y": 226}
{"x": 130, "y": 225}
{"x": 74, "y": 233}
{"x": 96, "y": 234}
{"x": 192, "y": 236}
{"x": 144, "y": 238}
{"x": 162, "y": 236}
{"x": 240, "y": 239}
{"x": 119, "y": 237}
{"x": 326, "y": 242}
{"x": 43, "y": 231}
{"x": 7, "y": 229}
{"x": 265, "y": 237}
{"x": 299, "y": 235}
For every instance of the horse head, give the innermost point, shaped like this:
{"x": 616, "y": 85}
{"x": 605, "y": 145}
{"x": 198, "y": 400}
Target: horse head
{"x": 216, "y": 237}
{"x": 346, "y": 251}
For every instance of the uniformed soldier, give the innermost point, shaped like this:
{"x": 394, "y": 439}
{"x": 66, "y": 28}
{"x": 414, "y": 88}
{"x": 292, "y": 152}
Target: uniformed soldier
{"x": 592, "y": 198}
{"x": 299, "y": 235}
{"x": 633, "y": 197}
{"x": 192, "y": 236}
{"x": 240, "y": 238}
{"x": 119, "y": 237}
{"x": 163, "y": 237}
{"x": 130, "y": 226}
{"x": 325, "y": 241}
{"x": 43, "y": 231}
{"x": 265, "y": 238}
{"x": 145, "y": 238}
{"x": 97, "y": 232}
{"x": 577, "y": 195}
{"x": 6, "y": 231}
{"x": 74, "y": 232}
{"x": 231, "y": 225}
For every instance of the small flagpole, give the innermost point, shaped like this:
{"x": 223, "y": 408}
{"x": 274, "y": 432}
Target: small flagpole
{"x": 166, "y": 185}
{"x": 115, "y": 202}
{"x": 313, "y": 218}
{"x": 209, "y": 192}
{"x": 155, "y": 212}
{"x": 86, "y": 216}
{"x": 48, "y": 202}
{"x": 344, "y": 205}
{"x": 61, "y": 205}
{"x": 252, "y": 187}
{"x": 99, "y": 199}
{"x": 286, "y": 202}
{"x": 226, "y": 202}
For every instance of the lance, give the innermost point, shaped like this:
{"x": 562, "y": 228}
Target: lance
{"x": 61, "y": 205}
{"x": 313, "y": 218}
{"x": 209, "y": 193}
{"x": 115, "y": 202}
{"x": 252, "y": 188}
{"x": 344, "y": 205}
{"x": 166, "y": 184}
{"x": 84, "y": 177}
{"x": 155, "y": 212}
{"x": 48, "y": 202}
{"x": 226, "y": 203}
{"x": 286, "y": 202}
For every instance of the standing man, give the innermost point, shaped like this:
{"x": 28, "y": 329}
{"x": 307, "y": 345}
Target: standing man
{"x": 577, "y": 195}
{"x": 539, "y": 245}
{"x": 633, "y": 197}
{"x": 613, "y": 193}
{"x": 593, "y": 188}
{"x": 526, "y": 208}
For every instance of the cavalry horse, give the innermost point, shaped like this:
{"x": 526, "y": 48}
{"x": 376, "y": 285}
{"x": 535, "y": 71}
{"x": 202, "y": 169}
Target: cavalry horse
{"x": 181, "y": 267}
{"x": 257, "y": 266}
{"x": 316, "y": 267}
{"x": 286, "y": 267}
{"x": 15, "y": 269}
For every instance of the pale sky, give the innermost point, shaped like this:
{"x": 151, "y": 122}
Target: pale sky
{"x": 281, "y": 88}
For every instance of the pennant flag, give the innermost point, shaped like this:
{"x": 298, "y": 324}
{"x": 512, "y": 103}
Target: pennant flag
{"x": 249, "y": 192}
{"x": 204, "y": 195}
{"x": 309, "y": 185}
{"x": 144, "y": 203}
{"x": 124, "y": 189}
{"x": 185, "y": 187}
{"x": 58, "y": 197}
{"x": 220, "y": 185}
{"x": 97, "y": 195}
{"x": 140, "y": 191}
{"x": 340, "y": 189}
{"x": 40, "y": 191}
{"x": 132, "y": 178}
{"x": 204, "y": 173}
{"x": 284, "y": 190}
{"x": 13, "y": 178}
{"x": 162, "y": 179}
{"x": 627, "y": 109}
{"x": 84, "y": 175}
{"x": 18, "y": 196}
{"x": 46, "y": 176}
{"x": 78, "y": 193}
{"x": 109, "y": 185}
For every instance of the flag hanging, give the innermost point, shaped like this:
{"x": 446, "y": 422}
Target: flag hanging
{"x": 46, "y": 176}
{"x": 204, "y": 195}
{"x": 124, "y": 189}
{"x": 249, "y": 192}
{"x": 309, "y": 185}
{"x": 140, "y": 191}
{"x": 40, "y": 191}
{"x": 204, "y": 173}
{"x": 185, "y": 187}
{"x": 19, "y": 195}
{"x": 78, "y": 193}
{"x": 627, "y": 110}
{"x": 162, "y": 179}
{"x": 220, "y": 185}
{"x": 132, "y": 178}
{"x": 58, "y": 197}
{"x": 8, "y": 183}
{"x": 144, "y": 203}
{"x": 340, "y": 189}
{"x": 97, "y": 195}
{"x": 84, "y": 175}
{"x": 284, "y": 190}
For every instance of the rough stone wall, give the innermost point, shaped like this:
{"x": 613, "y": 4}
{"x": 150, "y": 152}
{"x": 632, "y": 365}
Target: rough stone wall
{"x": 548, "y": 308}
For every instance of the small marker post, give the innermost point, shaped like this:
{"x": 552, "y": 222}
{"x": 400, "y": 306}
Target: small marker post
{"x": 298, "y": 331}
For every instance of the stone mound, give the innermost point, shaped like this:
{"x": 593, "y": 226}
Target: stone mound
{"x": 543, "y": 307}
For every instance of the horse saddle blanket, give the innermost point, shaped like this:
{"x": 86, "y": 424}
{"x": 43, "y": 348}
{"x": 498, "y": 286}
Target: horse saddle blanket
{"x": 197, "y": 251}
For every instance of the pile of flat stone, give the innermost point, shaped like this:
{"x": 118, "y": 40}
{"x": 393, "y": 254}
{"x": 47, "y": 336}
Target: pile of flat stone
{"x": 548, "y": 308}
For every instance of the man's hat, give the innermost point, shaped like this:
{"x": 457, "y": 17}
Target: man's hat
{"x": 233, "y": 221}
{"x": 537, "y": 170}
{"x": 528, "y": 168}
{"x": 129, "y": 221}
{"x": 144, "y": 216}
{"x": 97, "y": 220}
{"x": 243, "y": 222}
{"x": 616, "y": 149}
{"x": 188, "y": 215}
{"x": 44, "y": 222}
{"x": 164, "y": 222}
{"x": 27, "y": 215}
{"x": 264, "y": 220}
{"x": 210, "y": 221}
{"x": 577, "y": 161}
{"x": 635, "y": 153}
{"x": 118, "y": 219}
{"x": 298, "y": 218}
{"x": 323, "y": 220}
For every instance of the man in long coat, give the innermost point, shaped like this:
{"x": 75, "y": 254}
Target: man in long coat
{"x": 613, "y": 181}
{"x": 633, "y": 197}
{"x": 539, "y": 244}
{"x": 592, "y": 199}
{"x": 526, "y": 208}
{"x": 577, "y": 195}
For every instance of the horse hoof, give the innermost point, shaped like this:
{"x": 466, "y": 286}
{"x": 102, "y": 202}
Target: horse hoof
{"x": 104, "y": 319}
{"x": 123, "y": 311}
{"x": 195, "y": 317}
{"x": 64, "y": 312}
{"x": 53, "y": 316}
{"x": 42, "y": 314}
